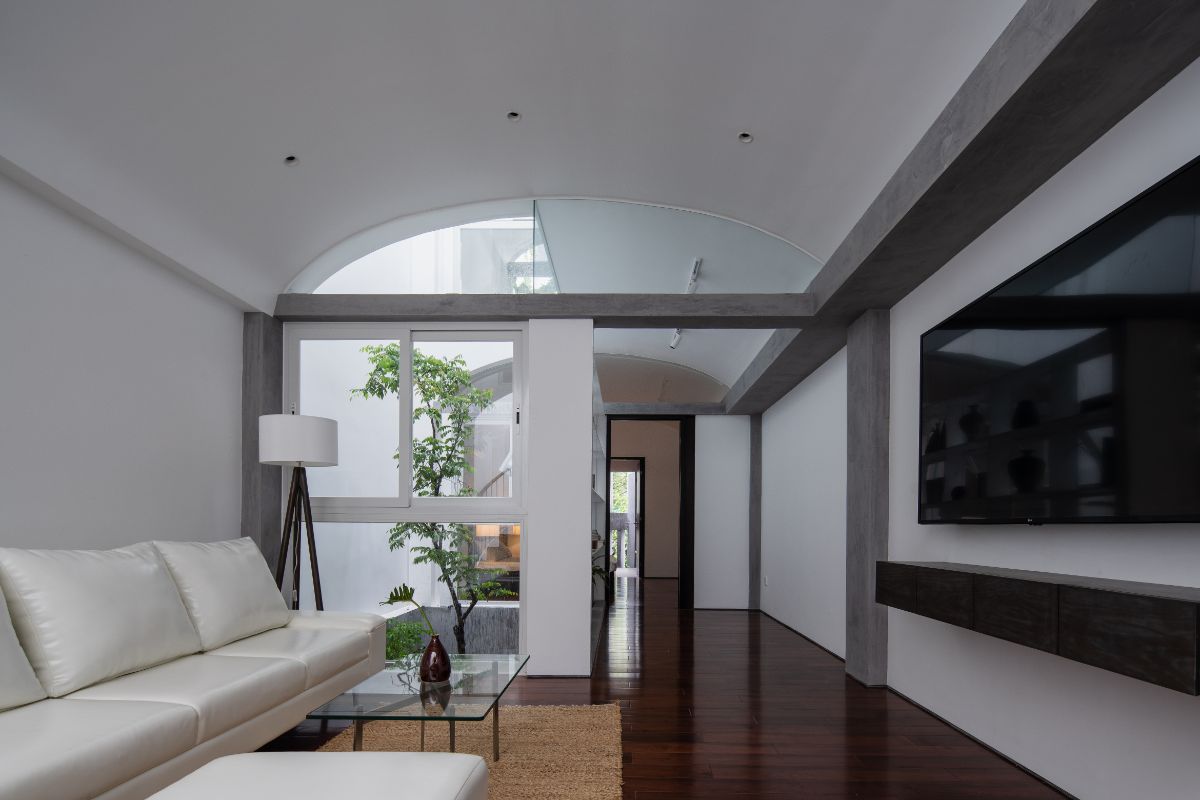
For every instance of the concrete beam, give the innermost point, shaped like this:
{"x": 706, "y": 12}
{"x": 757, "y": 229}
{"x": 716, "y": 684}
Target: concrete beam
{"x": 741, "y": 311}
{"x": 670, "y": 409}
{"x": 1060, "y": 75}
{"x": 262, "y": 393}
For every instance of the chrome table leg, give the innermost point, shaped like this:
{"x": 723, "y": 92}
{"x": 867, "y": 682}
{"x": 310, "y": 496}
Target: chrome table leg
{"x": 496, "y": 731}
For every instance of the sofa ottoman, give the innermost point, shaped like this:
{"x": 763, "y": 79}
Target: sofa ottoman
{"x": 320, "y": 776}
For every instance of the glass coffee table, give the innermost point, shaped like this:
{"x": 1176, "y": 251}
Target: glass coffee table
{"x": 396, "y": 693}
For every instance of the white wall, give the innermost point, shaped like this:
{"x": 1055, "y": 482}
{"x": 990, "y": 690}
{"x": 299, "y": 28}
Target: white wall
{"x": 1094, "y": 733}
{"x": 658, "y": 442}
{"x": 120, "y": 390}
{"x": 804, "y": 507}
{"x": 556, "y": 583}
{"x": 722, "y": 554}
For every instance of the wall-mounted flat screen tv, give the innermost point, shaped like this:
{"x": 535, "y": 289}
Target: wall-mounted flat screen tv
{"x": 1071, "y": 393}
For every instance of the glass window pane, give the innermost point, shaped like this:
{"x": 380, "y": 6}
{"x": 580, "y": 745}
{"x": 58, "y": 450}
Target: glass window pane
{"x": 368, "y": 427}
{"x": 463, "y": 418}
{"x": 359, "y": 570}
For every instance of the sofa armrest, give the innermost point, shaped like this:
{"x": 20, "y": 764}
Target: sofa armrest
{"x": 372, "y": 624}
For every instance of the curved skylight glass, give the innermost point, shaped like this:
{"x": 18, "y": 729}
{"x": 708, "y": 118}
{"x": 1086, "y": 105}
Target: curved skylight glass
{"x": 497, "y": 256}
{"x": 578, "y": 246}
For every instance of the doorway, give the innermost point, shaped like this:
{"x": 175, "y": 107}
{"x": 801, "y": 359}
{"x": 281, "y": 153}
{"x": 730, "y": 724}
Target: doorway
{"x": 663, "y": 536}
{"x": 626, "y": 515}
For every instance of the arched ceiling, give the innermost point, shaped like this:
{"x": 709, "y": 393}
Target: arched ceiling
{"x": 720, "y": 354}
{"x": 629, "y": 379}
{"x": 171, "y": 120}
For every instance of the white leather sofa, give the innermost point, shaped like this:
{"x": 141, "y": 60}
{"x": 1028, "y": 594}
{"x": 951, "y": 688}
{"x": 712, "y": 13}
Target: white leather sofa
{"x": 122, "y": 671}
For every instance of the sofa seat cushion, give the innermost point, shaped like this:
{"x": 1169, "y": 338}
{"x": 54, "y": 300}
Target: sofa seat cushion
{"x": 76, "y": 749}
{"x": 224, "y": 691}
{"x": 18, "y": 684}
{"x": 84, "y": 616}
{"x": 324, "y": 653}
{"x": 227, "y": 588}
{"x": 318, "y": 776}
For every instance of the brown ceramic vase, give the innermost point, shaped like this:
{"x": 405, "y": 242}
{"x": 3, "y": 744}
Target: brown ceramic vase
{"x": 435, "y": 663}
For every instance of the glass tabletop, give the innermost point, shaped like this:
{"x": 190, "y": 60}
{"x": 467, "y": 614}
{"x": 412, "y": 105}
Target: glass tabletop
{"x": 396, "y": 692}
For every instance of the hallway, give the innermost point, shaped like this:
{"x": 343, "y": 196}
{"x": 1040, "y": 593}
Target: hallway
{"x": 731, "y": 704}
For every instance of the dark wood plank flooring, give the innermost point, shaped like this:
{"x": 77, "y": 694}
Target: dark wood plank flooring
{"x": 732, "y": 704}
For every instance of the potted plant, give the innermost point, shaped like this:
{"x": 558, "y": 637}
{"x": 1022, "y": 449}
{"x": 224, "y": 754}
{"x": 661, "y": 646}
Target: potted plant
{"x": 435, "y": 663}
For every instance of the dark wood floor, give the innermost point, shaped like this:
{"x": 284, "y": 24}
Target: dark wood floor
{"x": 732, "y": 704}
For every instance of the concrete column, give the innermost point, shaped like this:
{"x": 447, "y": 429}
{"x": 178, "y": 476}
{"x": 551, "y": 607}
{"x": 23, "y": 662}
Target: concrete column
{"x": 755, "y": 600}
{"x": 868, "y": 359}
{"x": 262, "y": 393}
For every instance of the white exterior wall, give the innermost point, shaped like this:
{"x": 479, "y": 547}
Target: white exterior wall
{"x": 722, "y": 545}
{"x": 1093, "y": 733}
{"x": 120, "y": 391}
{"x": 804, "y": 507}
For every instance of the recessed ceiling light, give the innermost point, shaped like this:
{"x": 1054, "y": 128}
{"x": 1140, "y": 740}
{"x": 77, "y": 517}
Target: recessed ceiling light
{"x": 514, "y": 116}
{"x": 291, "y": 161}
{"x": 745, "y": 138}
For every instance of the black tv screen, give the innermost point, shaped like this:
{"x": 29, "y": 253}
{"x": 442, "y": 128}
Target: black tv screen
{"x": 1071, "y": 393}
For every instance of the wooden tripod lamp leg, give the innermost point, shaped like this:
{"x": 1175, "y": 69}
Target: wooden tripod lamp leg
{"x": 296, "y": 550}
{"x": 312, "y": 542}
{"x": 285, "y": 543}
{"x": 299, "y": 507}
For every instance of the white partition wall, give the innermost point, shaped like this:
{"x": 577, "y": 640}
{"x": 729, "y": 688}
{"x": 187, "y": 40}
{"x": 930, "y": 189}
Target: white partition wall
{"x": 804, "y": 507}
{"x": 556, "y": 590}
{"x": 722, "y": 553}
{"x": 120, "y": 393}
{"x": 1096, "y": 734}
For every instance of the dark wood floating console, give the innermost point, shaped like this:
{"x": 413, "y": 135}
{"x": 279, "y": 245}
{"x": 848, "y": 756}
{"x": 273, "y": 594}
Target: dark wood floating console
{"x": 1142, "y": 630}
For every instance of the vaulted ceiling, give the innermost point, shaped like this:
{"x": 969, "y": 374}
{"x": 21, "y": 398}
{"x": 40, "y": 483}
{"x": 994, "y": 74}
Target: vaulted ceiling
{"x": 170, "y": 120}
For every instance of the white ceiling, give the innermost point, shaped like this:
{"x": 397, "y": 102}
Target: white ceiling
{"x": 170, "y": 119}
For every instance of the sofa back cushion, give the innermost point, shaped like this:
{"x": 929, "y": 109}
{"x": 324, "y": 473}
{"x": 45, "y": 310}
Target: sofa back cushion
{"x": 227, "y": 588}
{"x": 18, "y": 685}
{"x": 84, "y": 616}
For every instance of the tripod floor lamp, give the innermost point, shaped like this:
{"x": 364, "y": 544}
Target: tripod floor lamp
{"x": 292, "y": 440}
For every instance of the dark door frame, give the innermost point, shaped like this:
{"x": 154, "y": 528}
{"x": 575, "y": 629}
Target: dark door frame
{"x": 641, "y": 506}
{"x": 687, "y": 498}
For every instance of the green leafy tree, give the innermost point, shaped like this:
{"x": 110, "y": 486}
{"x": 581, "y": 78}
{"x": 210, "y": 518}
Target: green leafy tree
{"x": 445, "y": 396}
{"x": 620, "y": 492}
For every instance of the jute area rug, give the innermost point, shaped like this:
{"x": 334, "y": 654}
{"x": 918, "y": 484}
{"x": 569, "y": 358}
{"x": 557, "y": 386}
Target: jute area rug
{"x": 546, "y": 752}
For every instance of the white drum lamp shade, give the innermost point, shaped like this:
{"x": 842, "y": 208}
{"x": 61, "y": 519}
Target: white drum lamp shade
{"x": 297, "y": 441}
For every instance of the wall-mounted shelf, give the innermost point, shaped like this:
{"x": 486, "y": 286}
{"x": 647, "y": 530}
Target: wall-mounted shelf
{"x": 1143, "y": 630}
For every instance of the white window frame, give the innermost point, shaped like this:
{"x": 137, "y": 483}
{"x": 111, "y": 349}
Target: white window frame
{"x": 405, "y": 507}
